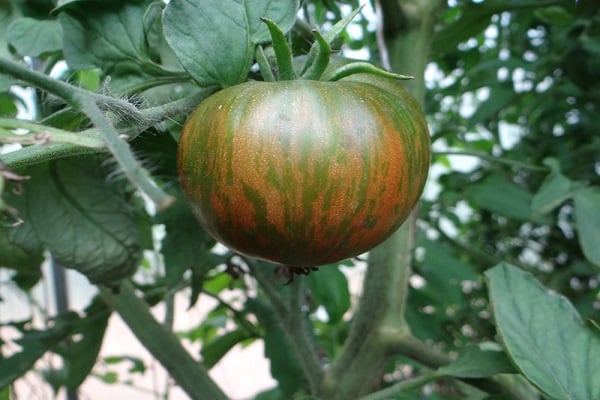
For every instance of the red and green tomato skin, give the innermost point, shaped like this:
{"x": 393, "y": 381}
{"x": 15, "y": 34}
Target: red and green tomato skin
{"x": 305, "y": 173}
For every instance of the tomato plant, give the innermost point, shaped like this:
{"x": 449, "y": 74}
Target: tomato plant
{"x": 300, "y": 157}
{"x": 287, "y": 172}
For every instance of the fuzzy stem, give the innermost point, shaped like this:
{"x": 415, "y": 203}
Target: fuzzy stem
{"x": 122, "y": 153}
{"x": 89, "y": 104}
{"x": 36, "y": 154}
{"x": 162, "y": 344}
{"x": 42, "y": 134}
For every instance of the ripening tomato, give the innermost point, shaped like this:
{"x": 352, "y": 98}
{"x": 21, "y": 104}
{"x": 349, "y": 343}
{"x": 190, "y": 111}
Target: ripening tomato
{"x": 304, "y": 172}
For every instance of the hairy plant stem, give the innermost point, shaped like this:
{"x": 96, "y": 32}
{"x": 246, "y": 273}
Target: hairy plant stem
{"x": 92, "y": 105}
{"x": 162, "y": 344}
{"x": 291, "y": 319}
{"x": 150, "y": 116}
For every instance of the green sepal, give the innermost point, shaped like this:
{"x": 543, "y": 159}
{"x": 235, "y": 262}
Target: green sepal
{"x": 329, "y": 37}
{"x": 283, "y": 53}
{"x": 264, "y": 65}
{"x": 321, "y": 61}
{"x": 361, "y": 67}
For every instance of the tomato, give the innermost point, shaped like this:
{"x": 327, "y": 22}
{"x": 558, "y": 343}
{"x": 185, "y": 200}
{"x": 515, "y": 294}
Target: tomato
{"x": 305, "y": 173}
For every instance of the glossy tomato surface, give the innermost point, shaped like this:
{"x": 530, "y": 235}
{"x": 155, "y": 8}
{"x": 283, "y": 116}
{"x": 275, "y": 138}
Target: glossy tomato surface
{"x": 305, "y": 173}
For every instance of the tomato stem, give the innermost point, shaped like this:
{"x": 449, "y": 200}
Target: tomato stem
{"x": 162, "y": 343}
{"x": 283, "y": 53}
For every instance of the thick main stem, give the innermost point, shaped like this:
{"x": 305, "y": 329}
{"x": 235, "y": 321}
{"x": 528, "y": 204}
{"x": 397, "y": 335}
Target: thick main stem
{"x": 162, "y": 344}
{"x": 381, "y": 311}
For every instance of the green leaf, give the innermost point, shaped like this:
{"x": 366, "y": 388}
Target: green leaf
{"x": 80, "y": 356}
{"x": 211, "y": 40}
{"x": 214, "y": 351}
{"x": 479, "y": 361}
{"x": 587, "y": 220}
{"x": 285, "y": 367}
{"x": 137, "y": 364}
{"x": 19, "y": 259}
{"x": 6, "y": 16}
{"x": 501, "y": 96}
{"x": 98, "y": 36}
{"x": 544, "y": 336}
{"x": 283, "y": 12}
{"x": 70, "y": 210}
{"x": 34, "y": 344}
{"x": 499, "y": 195}
{"x": 555, "y": 190}
{"x": 474, "y": 18}
{"x": 31, "y": 37}
{"x": 215, "y": 40}
{"x": 8, "y": 108}
{"x": 186, "y": 245}
{"x": 330, "y": 288}
{"x": 444, "y": 273}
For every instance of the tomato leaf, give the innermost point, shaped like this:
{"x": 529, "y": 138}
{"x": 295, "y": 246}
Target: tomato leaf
{"x": 215, "y": 40}
{"x": 285, "y": 367}
{"x": 544, "y": 336}
{"x": 80, "y": 356}
{"x": 501, "y": 196}
{"x": 26, "y": 263}
{"x": 587, "y": 222}
{"x": 479, "y": 361}
{"x": 330, "y": 288}
{"x": 556, "y": 189}
{"x": 69, "y": 209}
{"x": 34, "y": 345}
{"x": 186, "y": 245}
{"x": 211, "y": 40}
{"x": 31, "y": 37}
{"x": 98, "y": 36}
{"x": 282, "y": 12}
{"x": 214, "y": 351}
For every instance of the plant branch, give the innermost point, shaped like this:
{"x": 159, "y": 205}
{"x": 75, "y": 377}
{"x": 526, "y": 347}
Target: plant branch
{"x": 119, "y": 148}
{"x": 493, "y": 159}
{"x": 152, "y": 115}
{"x": 402, "y": 387}
{"x": 162, "y": 344}
{"x": 296, "y": 322}
{"x": 90, "y": 104}
{"x": 43, "y": 135}
{"x": 410, "y": 347}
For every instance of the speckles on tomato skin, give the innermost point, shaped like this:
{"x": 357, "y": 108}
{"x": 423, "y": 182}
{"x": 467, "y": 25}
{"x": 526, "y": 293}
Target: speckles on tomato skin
{"x": 317, "y": 186}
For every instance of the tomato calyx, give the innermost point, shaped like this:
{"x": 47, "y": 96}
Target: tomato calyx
{"x": 318, "y": 58}
{"x": 289, "y": 272}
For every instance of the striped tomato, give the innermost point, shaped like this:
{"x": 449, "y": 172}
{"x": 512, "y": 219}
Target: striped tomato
{"x": 305, "y": 172}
